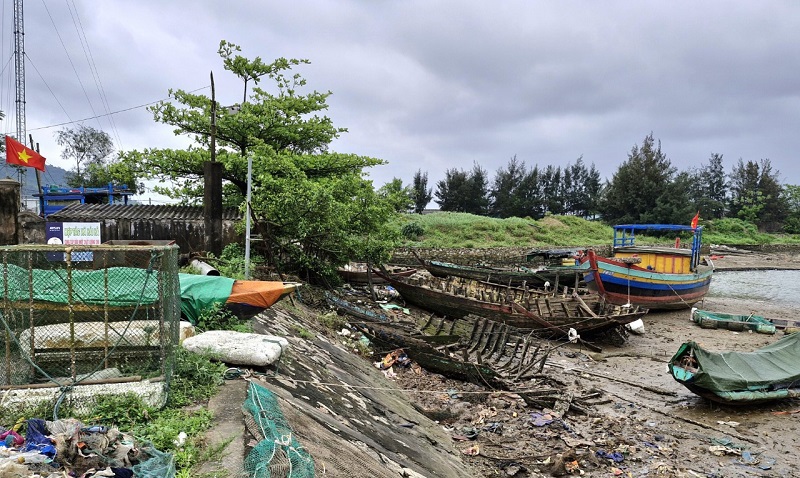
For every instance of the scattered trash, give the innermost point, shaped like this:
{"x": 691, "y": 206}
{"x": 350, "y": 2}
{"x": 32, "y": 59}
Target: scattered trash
{"x": 474, "y": 450}
{"x": 722, "y": 450}
{"x": 181, "y": 439}
{"x": 615, "y": 456}
{"x": 637, "y": 327}
{"x": 540, "y": 420}
{"x": 398, "y": 357}
{"x": 729, "y": 423}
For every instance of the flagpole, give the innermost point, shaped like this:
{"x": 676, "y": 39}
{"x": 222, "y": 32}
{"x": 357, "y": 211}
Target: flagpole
{"x": 38, "y": 173}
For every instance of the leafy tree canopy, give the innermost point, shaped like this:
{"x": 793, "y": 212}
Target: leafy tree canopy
{"x": 313, "y": 207}
{"x": 638, "y": 187}
{"x": 89, "y": 150}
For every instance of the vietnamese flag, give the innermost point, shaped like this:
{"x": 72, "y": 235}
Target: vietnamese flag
{"x": 695, "y": 219}
{"x": 19, "y": 154}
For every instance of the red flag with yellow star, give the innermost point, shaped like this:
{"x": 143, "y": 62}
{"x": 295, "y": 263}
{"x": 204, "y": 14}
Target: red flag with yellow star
{"x": 19, "y": 154}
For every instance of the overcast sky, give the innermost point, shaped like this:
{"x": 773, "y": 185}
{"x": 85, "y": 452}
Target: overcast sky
{"x": 434, "y": 85}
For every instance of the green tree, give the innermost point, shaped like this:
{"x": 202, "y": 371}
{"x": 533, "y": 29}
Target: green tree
{"x": 421, "y": 193}
{"x": 530, "y": 195}
{"x": 552, "y": 188}
{"x": 757, "y": 195}
{"x": 116, "y": 172}
{"x": 709, "y": 188}
{"x": 504, "y": 196}
{"x": 635, "y": 189}
{"x": 462, "y": 191}
{"x": 312, "y": 206}
{"x": 451, "y": 191}
{"x": 87, "y": 148}
{"x": 581, "y": 189}
{"x": 791, "y": 194}
{"x": 399, "y": 196}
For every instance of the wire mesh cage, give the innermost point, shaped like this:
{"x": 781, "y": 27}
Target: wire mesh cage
{"x": 85, "y": 321}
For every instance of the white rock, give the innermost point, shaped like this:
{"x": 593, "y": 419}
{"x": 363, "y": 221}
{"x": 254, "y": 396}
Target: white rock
{"x": 238, "y": 347}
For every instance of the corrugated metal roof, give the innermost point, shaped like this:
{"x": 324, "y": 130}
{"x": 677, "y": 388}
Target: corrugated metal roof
{"x": 98, "y": 212}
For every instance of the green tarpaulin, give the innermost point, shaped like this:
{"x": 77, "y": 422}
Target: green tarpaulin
{"x": 199, "y": 293}
{"x": 119, "y": 286}
{"x": 773, "y": 366}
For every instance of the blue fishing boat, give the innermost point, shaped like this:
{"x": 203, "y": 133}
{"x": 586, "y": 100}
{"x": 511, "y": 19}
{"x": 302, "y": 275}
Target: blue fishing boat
{"x": 655, "y": 277}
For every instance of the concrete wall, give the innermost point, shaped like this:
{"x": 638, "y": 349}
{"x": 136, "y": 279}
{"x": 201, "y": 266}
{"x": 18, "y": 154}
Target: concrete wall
{"x": 189, "y": 235}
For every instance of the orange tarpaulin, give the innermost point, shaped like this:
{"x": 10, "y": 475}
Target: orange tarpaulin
{"x": 257, "y": 293}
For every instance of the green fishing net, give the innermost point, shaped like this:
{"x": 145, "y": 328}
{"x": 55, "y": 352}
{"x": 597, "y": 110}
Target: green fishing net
{"x": 278, "y": 453}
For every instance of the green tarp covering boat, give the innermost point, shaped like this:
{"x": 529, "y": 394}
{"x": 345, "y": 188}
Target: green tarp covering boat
{"x": 769, "y": 373}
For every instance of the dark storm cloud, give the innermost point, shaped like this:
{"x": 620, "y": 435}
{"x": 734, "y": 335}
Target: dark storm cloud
{"x": 438, "y": 85}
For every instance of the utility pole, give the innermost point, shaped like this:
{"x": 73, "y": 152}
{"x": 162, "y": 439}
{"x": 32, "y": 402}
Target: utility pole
{"x": 212, "y": 191}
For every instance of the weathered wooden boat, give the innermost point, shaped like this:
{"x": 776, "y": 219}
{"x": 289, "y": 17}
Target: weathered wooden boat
{"x": 357, "y": 273}
{"x": 650, "y": 276}
{"x": 559, "y": 266}
{"x": 471, "y": 348}
{"x": 547, "y": 313}
{"x": 343, "y": 306}
{"x": 430, "y": 357}
{"x": 515, "y": 277}
{"x": 720, "y": 320}
{"x": 769, "y": 373}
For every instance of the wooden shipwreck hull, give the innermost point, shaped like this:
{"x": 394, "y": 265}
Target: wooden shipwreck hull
{"x": 488, "y": 274}
{"x": 547, "y": 313}
{"x": 473, "y": 349}
{"x": 532, "y": 277}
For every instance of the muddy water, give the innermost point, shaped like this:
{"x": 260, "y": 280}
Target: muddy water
{"x": 779, "y": 287}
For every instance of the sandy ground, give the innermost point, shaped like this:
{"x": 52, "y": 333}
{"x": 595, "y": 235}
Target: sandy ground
{"x": 640, "y": 416}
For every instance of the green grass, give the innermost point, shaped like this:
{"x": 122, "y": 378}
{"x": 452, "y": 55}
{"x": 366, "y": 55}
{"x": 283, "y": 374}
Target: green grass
{"x": 461, "y": 230}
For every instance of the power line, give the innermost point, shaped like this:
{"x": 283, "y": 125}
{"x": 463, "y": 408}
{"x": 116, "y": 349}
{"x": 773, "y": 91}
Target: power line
{"x": 75, "y": 70}
{"x": 87, "y": 52}
{"x": 48, "y": 86}
{"x": 112, "y": 113}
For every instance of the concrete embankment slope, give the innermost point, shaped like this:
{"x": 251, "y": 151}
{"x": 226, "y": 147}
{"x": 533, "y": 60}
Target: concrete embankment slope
{"x": 342, "y": 410}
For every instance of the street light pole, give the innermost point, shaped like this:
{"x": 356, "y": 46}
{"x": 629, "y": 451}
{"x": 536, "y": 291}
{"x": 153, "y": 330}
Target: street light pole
{"x": 247, "y": 219}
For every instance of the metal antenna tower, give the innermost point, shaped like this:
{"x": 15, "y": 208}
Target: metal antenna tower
{"x": 19, "y": 62}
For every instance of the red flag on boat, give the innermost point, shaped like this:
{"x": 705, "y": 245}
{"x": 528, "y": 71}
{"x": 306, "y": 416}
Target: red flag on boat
{"x": 19, "y": 154}
{"x": 695, "y": 219}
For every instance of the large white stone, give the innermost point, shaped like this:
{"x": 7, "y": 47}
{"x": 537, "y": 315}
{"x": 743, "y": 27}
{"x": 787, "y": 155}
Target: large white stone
{"x": 238, "y": 347}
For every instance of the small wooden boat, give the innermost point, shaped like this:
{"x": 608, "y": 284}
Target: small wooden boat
{"x": 559, "y": 266}
{"x": 650, "y": 276}
{"x": 545, "y": 312}
{"x": 515, "y": 277}
{"x": 357, "y": 273}
{"x": 714, "y": 320}
{"x": 243, "y": 298}
{"x": 769, "y": 373}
